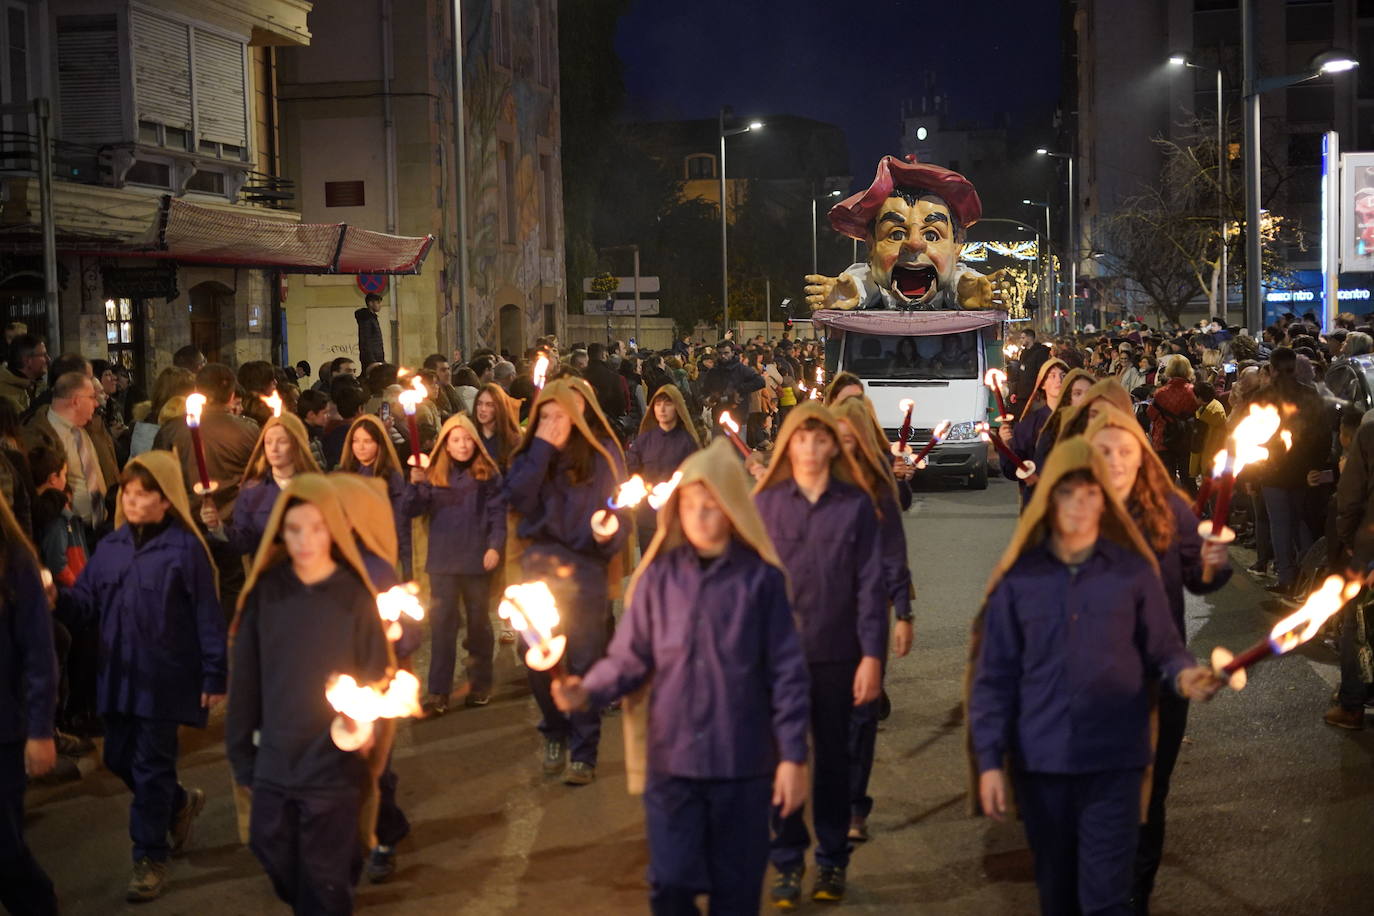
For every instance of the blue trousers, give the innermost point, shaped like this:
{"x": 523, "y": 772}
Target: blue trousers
{"x": 1288, "y": 530}
{"x": 1082, "y": 829}
{"x": 392, "y": 823}
{"x": 579, "y": 588}
{"x": 143, "y": 753}
{"x": 457, "y": 598}
{"x": 863, "y": 744}
{"x": 307, "y": 844}
{"x": 25, "y": 889}
{"x": 1173, "y": 722}
{"x": 832, "y": 705}
{"x": 706, "y": 836}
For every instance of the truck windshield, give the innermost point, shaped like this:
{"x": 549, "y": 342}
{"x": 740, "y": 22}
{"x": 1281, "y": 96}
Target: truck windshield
{"x": 931, "y": 356}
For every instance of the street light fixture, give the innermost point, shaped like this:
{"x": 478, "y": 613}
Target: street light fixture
{"x": 1045, "y": 256}
{"x": 724, "y": 257}
{"x": 1073, "y": 232}
{"x": 1223, "y": 180}
{"x": 829, "y": 195}
{"x": 1328, "y": 62}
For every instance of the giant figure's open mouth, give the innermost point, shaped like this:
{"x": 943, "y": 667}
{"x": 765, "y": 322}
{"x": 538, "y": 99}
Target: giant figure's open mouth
{"x": 913, "y": 282}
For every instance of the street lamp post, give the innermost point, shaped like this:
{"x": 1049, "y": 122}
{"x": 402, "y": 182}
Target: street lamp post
{"x": 1047, "y": 259}
{"x": 814, "y": 201}
{"x": 1326, "y": 63}
{"x": 1072, "y": 244}
{"x": 724, "y": 256}
{"x": 1223, "y": 179}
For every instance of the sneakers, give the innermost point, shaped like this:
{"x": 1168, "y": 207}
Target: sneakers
{"x": 72, "y": 745}
{"x": 434, "y": 704}
{"x": 185, "y": 819}
{"x": 858, "y": 829}
{"x": 147, "y": 882}
{"x": 786, "y": 891}
{"x": 555, "y": 756}
{"x": 1341, "y": 717}
{"x": 580, "y": 774}
{"x": 381, "y": 864}
{"x": 829, "y": 887}
{"x": 476, "y": 699}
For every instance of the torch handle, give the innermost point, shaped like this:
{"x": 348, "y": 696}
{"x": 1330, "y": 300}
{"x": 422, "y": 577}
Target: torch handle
{"x": 414, "y": 429}
{"x": 1256, "y": 653}
{"x": 1223, "y": 506}
{"x": 925, "y": 450}
{"x": 1005, "y": 450}
{"x": 1203, "y": 494}
{"x": 739, "y": 443}
{"x": 199, "y": 448}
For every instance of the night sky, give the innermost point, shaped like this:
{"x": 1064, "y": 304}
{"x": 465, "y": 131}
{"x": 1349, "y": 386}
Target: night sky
{"x": 846, "y": 63}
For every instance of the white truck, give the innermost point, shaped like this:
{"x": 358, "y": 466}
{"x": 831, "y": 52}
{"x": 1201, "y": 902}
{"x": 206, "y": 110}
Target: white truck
{"x": 938, "y": 360}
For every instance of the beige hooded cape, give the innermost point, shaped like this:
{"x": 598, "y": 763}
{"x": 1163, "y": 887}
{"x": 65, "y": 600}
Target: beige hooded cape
{"x": 300, "y": 439}
{"x": 684, "y": 416}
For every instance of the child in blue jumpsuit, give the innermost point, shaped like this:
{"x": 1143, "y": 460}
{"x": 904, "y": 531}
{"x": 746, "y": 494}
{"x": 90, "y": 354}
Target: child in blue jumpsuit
{"x": 826, "y": 531}
{"x": 28, "y": 700}
{"x": 563, "y": 473}
{"x": 709, "y": 624}
{"x": 1075, "y": 626}
{"x": 162, "y": 654}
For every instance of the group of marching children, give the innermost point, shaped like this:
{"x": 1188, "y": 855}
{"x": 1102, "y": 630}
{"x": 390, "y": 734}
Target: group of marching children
{"x": 1080, "y": 681}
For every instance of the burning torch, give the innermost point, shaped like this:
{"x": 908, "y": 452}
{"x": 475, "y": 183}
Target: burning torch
{"x": 731, "y": 428}
{"x": 630, "y": 494}
{"x": 936, "y": 435}
{"x": 540, "y": 370}
{"x": 359, "y": 706}
{"x": 533, "y": 613}
{"x": 397, "y": 602}
{"x": 820, "y": 383}
{"x": 1244, "y": 447}
{"x": 1024, "y": 469}
{"x": 1289, "y": 633}
{"x": 410, "y": 400}
{"x": 195, "y": 403}
{"x": 273, "y": 402}
{"x": 996, "y": 379}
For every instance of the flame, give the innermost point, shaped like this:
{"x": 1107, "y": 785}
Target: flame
{"x": 273, "y": 401}
{"x": 1248, "y": 439}
{"x": 815, "y": 394}
{"x": 412, "y": 396}
{"x": 399, "y": 700}
{"x": 658, "y": 496}
{"x": 820, "y": 375}
{"x": 630, "y": 493}
{"x": 994, "y": 378}
{"x": 195, "y": 403}
{"x": 940, "y": 430}
{"x": 1286, "y": 438}
{"x": 729, "y": 423}
{"x": 1011, "y": 351}
{"x": 906, "y": 405}
{"x": 540, "y": 371}
{"x": 1301, "y": 625}
{"x": 983, "y": 429}
{"x": 397, "y": 601}
{"x": 530, "y": 608}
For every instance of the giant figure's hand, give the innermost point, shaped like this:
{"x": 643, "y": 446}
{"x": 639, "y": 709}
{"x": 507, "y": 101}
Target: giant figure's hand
{"x": 840, "y": 292}
{"x": 990, "y": 292}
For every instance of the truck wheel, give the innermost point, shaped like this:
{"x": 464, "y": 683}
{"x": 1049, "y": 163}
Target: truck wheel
{"x": 978, "y": 480}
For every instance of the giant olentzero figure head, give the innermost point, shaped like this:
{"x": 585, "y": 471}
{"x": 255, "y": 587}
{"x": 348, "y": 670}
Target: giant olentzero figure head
{"x": 913, "y": 218}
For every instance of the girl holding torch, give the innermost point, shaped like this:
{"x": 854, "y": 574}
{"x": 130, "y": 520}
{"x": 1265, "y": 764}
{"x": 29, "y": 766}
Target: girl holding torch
{"x": 563, "y": 473}
{"x": 738, "y": 673}
{"x": 313, "y": 805}
{"x": 497, "y": 416}
{"x": 282, "y": 452}
{"x": 1076, "y": 599}
{"x": 1164, "y": 516}
{"x": 369, "y": 452}
{"x": 666, "y": 439}
{"x": 1077, "y": 384}
{"x": 1021, "y": 436}
{"x": 460, "y": 494}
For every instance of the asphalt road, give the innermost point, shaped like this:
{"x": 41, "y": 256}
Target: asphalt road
{"x": 1272, "y": 811}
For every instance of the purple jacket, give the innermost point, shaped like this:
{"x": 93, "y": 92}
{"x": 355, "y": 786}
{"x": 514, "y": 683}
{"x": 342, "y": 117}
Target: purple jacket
{"x": 558, "y": 514}
{"x": 896, "y": 572}
{"x": 1023, "y": 437}
{"x": 835, "y": 567}
{"x": 1181, "y": 565}
{"x": 162, "y": 634}
{"x": 403, "y": 506}
{"x": 466, "y": 519}
{"x": 28, "y": 664}
{"x": 731, "y": 690}
{"x": 1063, "y": 672}
{"x": 251, "y": 511}
{"x": 656, "y": 454}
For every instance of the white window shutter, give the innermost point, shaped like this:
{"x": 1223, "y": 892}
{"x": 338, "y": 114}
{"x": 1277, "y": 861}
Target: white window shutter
{"x": 88, "y": 80}
{"x": 162, "y": 69}
{"x": 221, "y": 89}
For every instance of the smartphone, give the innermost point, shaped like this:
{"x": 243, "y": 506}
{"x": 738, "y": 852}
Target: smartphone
{"x": 385, "y": 411}
{"x": 633, "y": 345}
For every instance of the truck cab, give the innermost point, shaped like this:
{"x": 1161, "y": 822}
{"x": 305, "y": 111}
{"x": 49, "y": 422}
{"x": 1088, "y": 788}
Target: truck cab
{"x": 937, "y": 359}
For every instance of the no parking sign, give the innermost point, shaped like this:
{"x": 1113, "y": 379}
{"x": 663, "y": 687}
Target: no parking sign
{"x": 372, "y": 283}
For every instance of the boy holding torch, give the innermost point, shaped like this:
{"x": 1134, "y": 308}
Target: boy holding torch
{"x": 666, "y": 438}
{"x": 824, "y": 522}
{"x": 708, "y": 620}
{"x": 313, "y": 804}
{"x": 1075, "y": 627}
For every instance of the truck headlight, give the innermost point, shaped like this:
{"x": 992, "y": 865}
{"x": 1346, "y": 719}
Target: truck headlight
{"x": 962, "y": 432}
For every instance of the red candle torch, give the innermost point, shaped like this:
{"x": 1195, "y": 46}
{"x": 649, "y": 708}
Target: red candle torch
{"x": 904, "y": 432}
{"x": 1245, "y": 447}
{"x": 996, "y": 379}
{"x": 1024, "y": 469}
{"x": 195, "y": 403}
{"x": 1290, "y": 632}
{"x": 410, "y": 400}
{"x": 540, "y": 370}
{"x": 731, "y": 428}
{"x": 936, "y": 435}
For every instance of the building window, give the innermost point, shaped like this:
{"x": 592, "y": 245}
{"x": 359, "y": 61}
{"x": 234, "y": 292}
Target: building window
{"x": 344, "y": 194}
{"x": 701, "y": 166}
{"x": 157, "y": 174}
{"x": 192, "y": 82}
{"x": 548, "y": 220}
{"x": 506, "y": 163}
{"x": 206, "y": 182}
{"x": 120, "y": 333}
{"x": 88, "y": 80}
